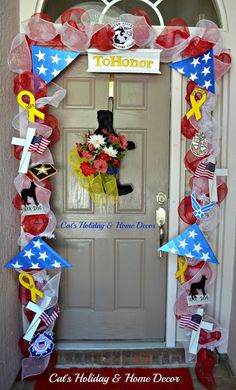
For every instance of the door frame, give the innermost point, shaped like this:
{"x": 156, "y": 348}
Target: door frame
{"x": 221, "y": 309}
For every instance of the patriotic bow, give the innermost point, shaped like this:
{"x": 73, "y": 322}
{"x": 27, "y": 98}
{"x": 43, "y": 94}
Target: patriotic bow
{"x": 38, "y": 144}
{"x": 199, "y": 211}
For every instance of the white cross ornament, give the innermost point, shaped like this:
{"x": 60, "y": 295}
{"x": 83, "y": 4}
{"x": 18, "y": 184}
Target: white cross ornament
{"x": 26, "y": 155}
{"x": 213, "y": 183}
{"x": 193, "y": 346}
{"x": 38, "y": 310}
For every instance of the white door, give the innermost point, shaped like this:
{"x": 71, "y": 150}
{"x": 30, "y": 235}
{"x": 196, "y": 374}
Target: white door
{"x": 117, "y": 286}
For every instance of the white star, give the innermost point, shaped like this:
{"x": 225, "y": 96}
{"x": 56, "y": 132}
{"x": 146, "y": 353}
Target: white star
{"x": 40, "y": 56}
{"x": 28, "y": 254}
{"x": 205, "y": 256}
{"x": 195, "y": 62}
{"x": 56, "y": 264}
{"x": 180, "y": 70}
{"x": 206, "y": 57}
{"x": 173, "y": 250}
{"x": 189, "y": 255}
{"x": 68, "y": 60}
{"x": 55, "y": 72}
{"x": 42, "y": 70}
{"x": 34, "y": 265}
{"x": 193, "y": 76}
{"x": 207, "y": 84}
{"x": 206, "y": 71}
{"x": 17, "y": 265}
{"x": 55, "y": 59}
{"x": 43, "y": 256}
{"x": 183, "y": 244}
{"x": 192, "y": 234}
{"x": 197, "y": 247}
{"x": 37, "y": 244}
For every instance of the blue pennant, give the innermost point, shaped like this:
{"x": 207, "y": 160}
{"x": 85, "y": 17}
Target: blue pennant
{"x": 49, "y": 63}
{"x": 199, "y": 69}
{"x": 199, "y": 211}
{"x": 191, "y": 243}
{"x": 37, "y": 255}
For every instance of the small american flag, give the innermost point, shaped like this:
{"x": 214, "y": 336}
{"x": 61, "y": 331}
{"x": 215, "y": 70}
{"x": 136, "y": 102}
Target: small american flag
{"x": 49, "y": 316}
{"x": 205, "y": 170}
{"x": 38, "y": 144}
{"x": 192, "y": 322}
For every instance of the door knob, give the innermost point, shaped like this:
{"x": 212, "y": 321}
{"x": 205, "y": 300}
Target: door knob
{"x": 161, "y": 220}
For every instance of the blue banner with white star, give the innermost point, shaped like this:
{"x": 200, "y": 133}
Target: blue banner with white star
{"x": 37, "y": 255}
{"x": 49, "y": 63}
{"x": 191, "y": 243}
{"x": 199, "y": 69}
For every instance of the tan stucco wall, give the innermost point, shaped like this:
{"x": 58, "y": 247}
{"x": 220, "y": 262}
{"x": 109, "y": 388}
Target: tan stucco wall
{"x": 232, "y": 331}
{"x": 10, "y": 322}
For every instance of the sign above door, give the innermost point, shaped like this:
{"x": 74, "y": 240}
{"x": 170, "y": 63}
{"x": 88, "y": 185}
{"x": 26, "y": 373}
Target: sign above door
{"x": 115, "y": 61}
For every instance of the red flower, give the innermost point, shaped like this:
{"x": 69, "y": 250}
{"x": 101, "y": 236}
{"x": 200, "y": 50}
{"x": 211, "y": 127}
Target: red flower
{"x": 100, "y": 165}
{"x": 91, "y": 148}
{"x": 116, "y": 163}
{"x": 105, "y": 131}
{"x": 104, "y": 156}
{"x": 79, "y": 149}
{"x": 87, "y": 169}
{"x": 114, "y": 139}
{"x": 86, "y": 154}
{"x": 123, "y": 141}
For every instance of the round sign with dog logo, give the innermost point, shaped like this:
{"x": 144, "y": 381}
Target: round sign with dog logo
{"x": 123, "y": 38}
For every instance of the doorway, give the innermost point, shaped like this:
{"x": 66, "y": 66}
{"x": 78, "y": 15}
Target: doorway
{"x": 117, "y": 286}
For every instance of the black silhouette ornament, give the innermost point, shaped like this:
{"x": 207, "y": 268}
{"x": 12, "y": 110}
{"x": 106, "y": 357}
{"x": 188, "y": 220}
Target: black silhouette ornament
{"x": 198, "y": 286}
{"x": 105, "y": 122}
{"x": 29, "y": 192}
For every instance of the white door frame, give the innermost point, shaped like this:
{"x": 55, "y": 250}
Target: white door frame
{"x": 222, "y": 292}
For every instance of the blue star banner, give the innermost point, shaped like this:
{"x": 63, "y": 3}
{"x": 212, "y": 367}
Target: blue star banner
{"x": 199, "y": 69}
{"x": 191, "y": 243}
{"x": 37, "y": 254}
{"x": 49, "y": 63}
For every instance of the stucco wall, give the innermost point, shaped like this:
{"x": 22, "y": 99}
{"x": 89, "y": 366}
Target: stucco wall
{"x": 10, "y": 323}
{"x": 232, "y": 331}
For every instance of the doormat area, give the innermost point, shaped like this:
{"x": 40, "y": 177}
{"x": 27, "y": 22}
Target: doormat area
{"x": 115, "y": 379}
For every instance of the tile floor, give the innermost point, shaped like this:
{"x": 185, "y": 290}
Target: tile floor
{"x": 224, "y": 377}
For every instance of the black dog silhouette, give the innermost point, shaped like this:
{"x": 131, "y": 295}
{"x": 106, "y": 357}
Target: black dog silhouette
{"x": 198, "y": 286}
{"x": 29, "y": 192}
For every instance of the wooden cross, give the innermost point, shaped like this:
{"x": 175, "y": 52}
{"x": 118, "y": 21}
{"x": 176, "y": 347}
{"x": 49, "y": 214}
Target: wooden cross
{"x": 26, "y": 155}
{"x": 193, "y": 346}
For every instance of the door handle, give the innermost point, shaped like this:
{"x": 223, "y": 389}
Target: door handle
{"x": 161, "y": 220}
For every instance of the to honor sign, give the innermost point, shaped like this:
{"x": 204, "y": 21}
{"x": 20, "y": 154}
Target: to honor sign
{"x": 115, "y": 61}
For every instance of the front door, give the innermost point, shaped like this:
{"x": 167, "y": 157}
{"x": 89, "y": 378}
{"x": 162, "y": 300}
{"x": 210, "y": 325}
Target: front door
{"x": 116, "y": 288}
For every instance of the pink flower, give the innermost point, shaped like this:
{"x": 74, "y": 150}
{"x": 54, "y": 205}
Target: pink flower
{"x": 86, "y": 154}
{"x": 123, "y": 141}
{"x": 91, "y": 147}
{"x": 100, "y": 165}
{"x": 114, "y": 139}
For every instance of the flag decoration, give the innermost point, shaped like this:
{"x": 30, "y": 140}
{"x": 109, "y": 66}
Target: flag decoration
{"x": 38, "y": 144}
{"x": 49, "y": 316}
{"x": 199, "y": 69}
{"x": 191, "y": 243}
{"x": 49, "y": 63}
{"x": 41, "y": 345}
{"x": 37, "y": 254}
{"x": 205, "y": 170}
{"x": 42, "y": 171}
{"x": 191, "y": 322}
{"x": 199, "y": 211}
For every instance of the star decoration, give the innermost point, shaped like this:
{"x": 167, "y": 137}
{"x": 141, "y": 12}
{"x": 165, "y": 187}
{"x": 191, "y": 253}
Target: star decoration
{"x": 55, "y": 73}
{"x": 192, "y": 234}
{"x": 43, "y": 256}
{"x": 37, "y": 244}
{"x": 56, "y": 264}
{"x": 206, "y": 71}
{"x": 193, "y": 77}
{"x": 206, "y": 57}
{"x": 55, "y": 59}
{"x": 17, "y": 265}
{"x": 29, "y": 254}
{"x": 42, "y": 70}
{"x": 180, "y": 70}
{"x": 34, "y": 265}
{"x": 197, "y": 247}
{"x": 40, "y": 56}
{"x": 43, "y": 169}
{"x": 68, "y": 60}
{"x": 205, "y": 256}
{"x": 195, "y": 62}
{"x": 207, "y": 84}
{"x": 183, "y": 244}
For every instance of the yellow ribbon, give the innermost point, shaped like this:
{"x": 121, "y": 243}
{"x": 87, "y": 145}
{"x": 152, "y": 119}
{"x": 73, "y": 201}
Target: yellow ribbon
{"x": 30, "y": 285}
{"x": 31, "y": 106}
{"x": 101, "y": 187}
{"x": 196, "y": 104}
{"x": 182, "y": 268}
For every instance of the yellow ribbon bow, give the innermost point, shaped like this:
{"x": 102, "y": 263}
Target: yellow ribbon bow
{"x": 30, "y": 285}
{"x": 31, "y": 106}
{"x": 182, "y": 268}
{"x": 196, "y": 104}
